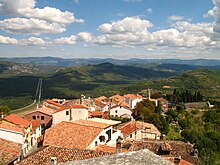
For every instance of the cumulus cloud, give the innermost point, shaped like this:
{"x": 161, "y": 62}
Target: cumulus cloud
{"x": 32, "y": 41}
{"x": 30, "y": 26}
{"x": 134, "y": 32}
{"x": 7, "y": 40}
{"x": 45, "y": 20}
{"x": 215, "y": 12}
{"x": 66, "y": 40}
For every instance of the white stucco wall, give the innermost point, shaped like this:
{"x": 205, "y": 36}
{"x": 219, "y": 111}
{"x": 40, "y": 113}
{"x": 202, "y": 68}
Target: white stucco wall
{"x": 141, "y": 135}
{"x": 16, "y": 137}
{"x": 134, "y": 102}
{"x": 103, "y": 133}
{"x": 75, "y": 113}
{"x": 119, "y": 111}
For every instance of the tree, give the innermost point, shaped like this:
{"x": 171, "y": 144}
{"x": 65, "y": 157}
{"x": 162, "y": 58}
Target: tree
{"x": 5, "y": 109}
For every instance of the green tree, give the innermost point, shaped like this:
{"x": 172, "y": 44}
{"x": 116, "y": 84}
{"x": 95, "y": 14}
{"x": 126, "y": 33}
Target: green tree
{"x": 5, "y": 109}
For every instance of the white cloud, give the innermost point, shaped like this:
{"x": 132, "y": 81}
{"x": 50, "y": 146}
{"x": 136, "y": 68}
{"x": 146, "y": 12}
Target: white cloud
{"x": 30, "y": 26}
{"x": 7, "y": 40}
{"x": 32, "y": 41}
{"x": 215, "y": 12}
{"x": 175, "y": 18}
{"x": 128, "y": 24}
{"x": 66, "y": 40}
{"x": 150, "y": 10}
{"x": 45, "y": 20}
{"x": 84, "y": 36}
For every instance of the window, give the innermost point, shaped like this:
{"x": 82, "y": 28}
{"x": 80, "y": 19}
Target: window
{"x": 38, "y": 117}
{"x": 42, "y": 117}
{"x": 130, "y": 135}
{"x": 96, "y": 143}
{"x": 34, "y": 117}
{"x": 116, "y": 111}
{"x": 67, "y": 113}
{"x": 102, "y": 138}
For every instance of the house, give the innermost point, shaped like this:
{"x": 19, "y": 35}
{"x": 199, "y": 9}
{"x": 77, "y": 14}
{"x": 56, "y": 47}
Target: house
{"x": 70, "y": 113}
{"x": 56, "y": 155}
{"x": 81, "y": 134}
{"x": 139, "y": 130}
{"x": 42, "y": 115}
{"x": 51, "y": 104}
{"x": 132, "y": 100}
{"x": 116, "y": 99}
{"x": 16, "y": 129}
{"x": 36, "y": 133}
{"x": 10, "y": 152}
{"x": 120, "y": 111}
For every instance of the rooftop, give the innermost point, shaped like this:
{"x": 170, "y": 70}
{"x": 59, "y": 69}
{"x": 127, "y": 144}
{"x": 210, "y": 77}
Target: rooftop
{"x": 44, "y": 155}
{"x": 9, "y": 150}
{"x": 142, "y": 157}
{"x": 17, "y": 120}
{"x": 96, "y": 114}
{"x": 12, "y": 128}
{"x": 53, "y": 103}
{"x": 73, "y": 106}
{"x": 45, "y": 110}
{"x": 132, "y": 126}
{"x": 71, "y": 135}
{"x": 106, "y": 148}
{"x": 105, "y": 121}
{"x": 133, "y": 96}
{"x": 92, "y": 123}
{"x": 179, "y": 148}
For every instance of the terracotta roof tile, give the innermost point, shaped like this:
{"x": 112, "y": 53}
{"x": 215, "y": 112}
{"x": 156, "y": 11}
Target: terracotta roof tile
{"x": 71, "y": 135}
{"x": 9, "y": 150}
{"x": 45, "y": 110}
{"x": 118, "y": 98}
{"x": 13, "y": 118}
{"x": 35, "y": 124}
{"x": 133, "y": 96}
{"x": 100, "y": 103}
{"x": 53, "y": 103}
{"x": 96, "y": 114}
{"x": 106, "y": 148}
{"x": 179, "y": 148}
{"x": 182, "y": 162}
{"x": 132, "y": 126}
{"x": 92, "y": 123}
{"x": 74, "y": 106}
{"x": 44, "y": 155}
{"x": 12, "y": 128}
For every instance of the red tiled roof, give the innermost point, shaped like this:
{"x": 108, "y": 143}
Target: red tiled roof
{"x": 92, "y": 123}
{"x": 73, "y": 106}
{"x": 44, "y": 155}
{"x": 9, "y": 150}
{"x": 45, "y": 110}
{"x": 121, "y": 104}
{"x": 133, "y": 96}
{"x": 96, "y": 114}
{"x": 106, "y": 148}
{"x": 100, "y": 103}
{"x": 12, "y": 128}
{"x": 118, "y": 98}
{"x": 132, "y": 126}
{"x": 101, "y": 98}
{"x": 13, "y": 118}
{"x": 35, "y": 124}
{"x": 53, "y": 103}
{"x": 71, "y": 135}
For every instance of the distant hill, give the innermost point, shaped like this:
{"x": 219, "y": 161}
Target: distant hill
{"x": 84, "y": 61}
{"x": 205, "y": 80}
{"x": 10, "y": 69}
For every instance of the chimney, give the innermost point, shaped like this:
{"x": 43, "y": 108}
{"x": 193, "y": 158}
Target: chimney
{"x": 53, "y": 160}
{"x": 118, "y": 145}
{"x": 177, "y": 160}
{"x": 82, "y": 99}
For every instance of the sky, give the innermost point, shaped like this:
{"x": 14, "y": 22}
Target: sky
{"x": 120, "y": 29}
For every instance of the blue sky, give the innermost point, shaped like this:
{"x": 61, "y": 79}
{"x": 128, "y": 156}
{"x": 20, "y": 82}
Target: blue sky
{"x": 122, "y": 29}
